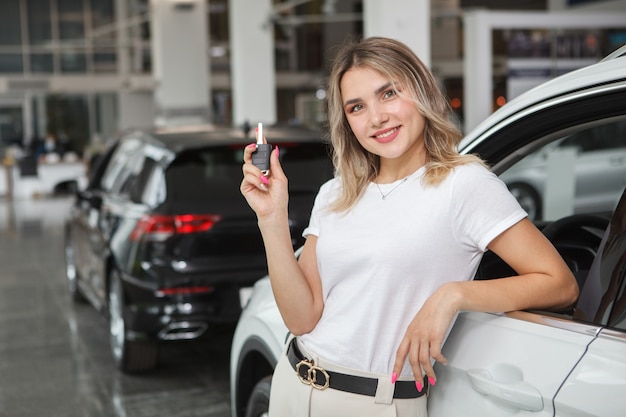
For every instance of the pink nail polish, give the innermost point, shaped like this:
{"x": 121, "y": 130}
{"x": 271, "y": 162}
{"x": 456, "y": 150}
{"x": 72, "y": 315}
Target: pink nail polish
{"x": 252, "y": 145}
{"x": 394, "y": 378}
{"x": 431, "y": 381}
{"x": 277, "y": 151}
{"x": 419, "y": 386}
{"x": 264, "y": 180}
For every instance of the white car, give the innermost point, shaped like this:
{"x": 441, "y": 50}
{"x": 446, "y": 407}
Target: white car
{"x": 596, "y": 154}
{"x": 539, "y": 363}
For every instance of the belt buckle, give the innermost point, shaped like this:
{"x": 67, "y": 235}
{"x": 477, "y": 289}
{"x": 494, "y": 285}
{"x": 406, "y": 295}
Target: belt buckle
{"x": 311, "y": 374}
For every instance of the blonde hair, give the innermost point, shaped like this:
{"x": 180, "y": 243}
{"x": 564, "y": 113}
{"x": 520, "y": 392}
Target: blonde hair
{"x": 355, "y": 166}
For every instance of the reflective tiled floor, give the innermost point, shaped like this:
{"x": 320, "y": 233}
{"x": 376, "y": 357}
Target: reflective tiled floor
{"x": 54, "y": 355}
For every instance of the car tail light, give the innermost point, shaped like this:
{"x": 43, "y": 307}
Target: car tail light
{"x": 159, "y": 227}
{"x": 161, "y": 292}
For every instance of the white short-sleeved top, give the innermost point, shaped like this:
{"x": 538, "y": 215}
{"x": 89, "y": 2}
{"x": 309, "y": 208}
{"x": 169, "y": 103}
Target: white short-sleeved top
{"x": 382, "y": 259}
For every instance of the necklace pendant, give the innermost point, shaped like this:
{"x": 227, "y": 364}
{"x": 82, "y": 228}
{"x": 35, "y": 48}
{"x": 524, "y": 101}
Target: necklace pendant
{"x": 384, "y": 196}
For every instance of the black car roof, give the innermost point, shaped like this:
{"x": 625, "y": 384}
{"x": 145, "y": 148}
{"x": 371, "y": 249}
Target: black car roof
{"x": 178, "y": 139}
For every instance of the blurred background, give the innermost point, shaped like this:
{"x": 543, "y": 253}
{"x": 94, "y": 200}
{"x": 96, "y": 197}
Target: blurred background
{"x": 81, "y": 71}
{"x": 76, "y": 74}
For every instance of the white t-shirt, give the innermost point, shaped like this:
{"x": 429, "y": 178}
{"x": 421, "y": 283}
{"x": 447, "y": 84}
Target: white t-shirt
{"x": 382, "y": 259}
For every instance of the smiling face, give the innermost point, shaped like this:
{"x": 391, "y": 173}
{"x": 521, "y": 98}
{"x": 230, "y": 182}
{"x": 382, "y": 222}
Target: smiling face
{"x": 384, "y": 119}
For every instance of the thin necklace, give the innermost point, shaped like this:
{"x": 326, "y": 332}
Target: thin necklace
{"x": 383, "y": 195}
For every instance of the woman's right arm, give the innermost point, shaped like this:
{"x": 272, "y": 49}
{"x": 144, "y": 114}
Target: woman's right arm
{"x": 296, "y": 283}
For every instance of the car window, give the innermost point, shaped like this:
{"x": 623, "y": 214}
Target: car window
{"x": 583, "y": 171}
{"x": 603, "y": 296}
{"x": 204, "y": 175}
{"x": 138, "y": 180}
{"x": 98, "y": 166}
{"x": 119, "y": 160}
{"x": 215, "y": 173}
{"x": 307, "y": 166}
{"x": 154, "y": 189}
{"x": 128, "y": 172}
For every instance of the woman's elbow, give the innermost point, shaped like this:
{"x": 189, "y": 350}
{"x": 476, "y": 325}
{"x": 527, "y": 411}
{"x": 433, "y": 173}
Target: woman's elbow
{"x": 568, "y": 292}
{"x": 298, "y": 329}
{"x": 301, "y": 326}
{"x": 574, "y": 292}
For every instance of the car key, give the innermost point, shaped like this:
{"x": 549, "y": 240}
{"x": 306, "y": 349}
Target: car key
{"x": 261, "y": 157}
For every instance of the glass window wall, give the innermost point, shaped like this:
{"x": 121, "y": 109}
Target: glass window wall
{"x": 104, "y": 36}
{"x": 39, "y": 22}
{"x": 59, "y": 36}
{"x": 10, "y": 37}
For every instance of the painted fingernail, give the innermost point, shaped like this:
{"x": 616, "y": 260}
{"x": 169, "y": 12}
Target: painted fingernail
{"x": 277, "y": 152}
{"x": 431, "y": 381}
{"x": 264, "y": 180}
{"x": 394, "y": 378}
{"x": 252, "y": 145}
{"x": 419, "y": 386}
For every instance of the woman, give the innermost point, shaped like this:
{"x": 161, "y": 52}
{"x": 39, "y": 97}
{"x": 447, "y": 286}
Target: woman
{"x": 392, "y": 246}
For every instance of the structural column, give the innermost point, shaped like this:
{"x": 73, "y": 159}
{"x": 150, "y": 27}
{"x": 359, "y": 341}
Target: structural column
{"x": 477, "y": 68}
{"x": 180, "y": 61}
{"x": 134, "y": 108}
{"x": 253, "y": 75}
{"x": 405, "y": 20}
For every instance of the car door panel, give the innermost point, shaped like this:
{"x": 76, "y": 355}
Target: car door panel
{"x": 77, "y": 229}
{"x": 597, "y": 386}
{"x": 81, "y": 231}
{"x": 502, "y": 365}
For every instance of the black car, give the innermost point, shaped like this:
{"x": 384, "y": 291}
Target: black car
{"x": 163, "y": 241}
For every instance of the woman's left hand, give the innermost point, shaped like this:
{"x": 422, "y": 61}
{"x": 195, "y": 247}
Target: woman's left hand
{"x": 544, "y": 283}
{"x": 424, "y": 336}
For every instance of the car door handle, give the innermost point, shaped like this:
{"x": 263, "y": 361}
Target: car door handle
{"x": 511, "y": 390}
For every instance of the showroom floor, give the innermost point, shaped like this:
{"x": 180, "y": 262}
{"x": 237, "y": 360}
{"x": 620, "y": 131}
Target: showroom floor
{"x": 54, "y": 355}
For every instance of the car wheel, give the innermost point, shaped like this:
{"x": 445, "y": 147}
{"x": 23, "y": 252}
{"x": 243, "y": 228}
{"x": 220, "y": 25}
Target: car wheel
{"x": 259, "y": 402}
{"x": 129, "y": 355}
{"x": 72, "y": 274}
{"x": 528, "y": 198}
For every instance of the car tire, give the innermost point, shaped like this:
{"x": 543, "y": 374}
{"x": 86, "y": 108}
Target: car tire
{"x": 259, "y": 402}
{"x": 529, "y": 199}
{"x": 129, "y": 355}
{"x": 71, "y": 274}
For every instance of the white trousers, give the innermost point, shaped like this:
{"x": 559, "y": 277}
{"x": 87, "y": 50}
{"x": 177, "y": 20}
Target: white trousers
{"x": 289, "y": 397}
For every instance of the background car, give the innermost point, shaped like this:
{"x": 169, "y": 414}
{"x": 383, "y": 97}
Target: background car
{"x": 163, "y": 241}
{"x": 587, "y": 156}
{"x": 541, "y": 362}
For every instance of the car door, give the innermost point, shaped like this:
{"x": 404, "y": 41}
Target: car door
{"x": 103, "y": 218}
{"x": 533, "y": 362}
{"x": 512, "y": 364}
{"x": 544, "y": 364}
{"x": 83, "y": 219}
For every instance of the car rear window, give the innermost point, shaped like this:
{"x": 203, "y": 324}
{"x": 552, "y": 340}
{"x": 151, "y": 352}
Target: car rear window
{"x": 215, "y": 173}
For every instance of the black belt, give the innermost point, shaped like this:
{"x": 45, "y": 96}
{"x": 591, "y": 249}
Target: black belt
{"x": 320, "y": 378}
